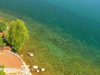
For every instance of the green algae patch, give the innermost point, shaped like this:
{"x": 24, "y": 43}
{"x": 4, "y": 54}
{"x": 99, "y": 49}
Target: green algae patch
{"x": 54, "y": 65}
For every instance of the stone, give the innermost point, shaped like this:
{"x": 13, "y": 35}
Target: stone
{"x": 21, "y": 55}
{"x": 37, "y": 70}
{"x": 35, "y": 67}
{"x": 30, "y": 54}
{"x": 28, "y": 65}
{"x": 42, "y": 69}
{"x": 0, "y": 68}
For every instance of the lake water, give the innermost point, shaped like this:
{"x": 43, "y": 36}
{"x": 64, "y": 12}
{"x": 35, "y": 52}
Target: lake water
{"x": 70, "y": 31}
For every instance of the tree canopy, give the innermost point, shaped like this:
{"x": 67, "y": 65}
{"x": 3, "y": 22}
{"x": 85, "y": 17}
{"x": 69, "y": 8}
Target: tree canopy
{"x": 2, "y": 42}
{"x": 17, "y": 34}
{"x": 3, "y": 26}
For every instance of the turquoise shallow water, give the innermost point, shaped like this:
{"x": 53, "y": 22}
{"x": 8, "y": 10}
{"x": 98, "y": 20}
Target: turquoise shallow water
{"x": 69, "y": 29}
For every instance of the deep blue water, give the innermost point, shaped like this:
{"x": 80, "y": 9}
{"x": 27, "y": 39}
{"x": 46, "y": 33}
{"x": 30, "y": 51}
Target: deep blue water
{"x": 79, "y": 19}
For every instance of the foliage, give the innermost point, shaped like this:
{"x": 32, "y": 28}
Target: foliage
{"x": 17, "y": 34}
{"x": 1, "y": 42}
{"x": 2, "y": 66}
{"x": 3, "y": 26}
{"x": 2, "y": 72}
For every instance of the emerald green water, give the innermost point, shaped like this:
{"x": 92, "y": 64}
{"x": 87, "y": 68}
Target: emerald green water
{"x": 64, "y": 35}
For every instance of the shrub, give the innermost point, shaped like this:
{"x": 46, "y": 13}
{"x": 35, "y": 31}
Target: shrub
{"x": 1, "y": 42}
{"x": 3, "y": 26}
{"x": 2, "y": 66}
{"x": 17, "y": 34}
{"x": 2, "y": 72}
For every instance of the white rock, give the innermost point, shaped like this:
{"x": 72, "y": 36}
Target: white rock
{"x": 42, "y": 69}
{"x": 0, "y": 68}
{"x": 37, "y": 70}
{"x": 28, "y": 65}
{"x": 35, "y": 67}
{"x": 21, "y": 55}
{"x": 30, "y": 54}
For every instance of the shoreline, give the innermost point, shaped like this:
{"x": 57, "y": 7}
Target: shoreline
{"x": 23, "y": 69}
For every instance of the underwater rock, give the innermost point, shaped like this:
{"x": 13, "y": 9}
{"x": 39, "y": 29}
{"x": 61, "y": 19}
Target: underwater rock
{"x": 37, "y": 70}
{"x": 35, "y": 67}
{"x": 42, "y": 69}
{"x": 30, "y": 54}
{"x": 21, "y": 55}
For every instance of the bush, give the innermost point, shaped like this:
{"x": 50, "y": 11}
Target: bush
{"x": 1, "y": 42}
{"x": 1, "y": 66}
{"x": 3, "y": 26}
{"x": 17, "y": 34}
{"x": 2, "y": 72}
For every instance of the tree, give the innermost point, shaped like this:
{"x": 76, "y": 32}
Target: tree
{"x": 3, "y": 26}
{"x": 17, "y": 34}
{"x": 2, "y": 44}
{"x": 2, "y": 66}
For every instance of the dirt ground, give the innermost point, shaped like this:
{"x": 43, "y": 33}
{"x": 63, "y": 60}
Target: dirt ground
{"x": 9, "y": 61}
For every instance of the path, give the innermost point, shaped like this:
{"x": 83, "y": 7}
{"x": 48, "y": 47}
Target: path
{"x": 9, "y": 61}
